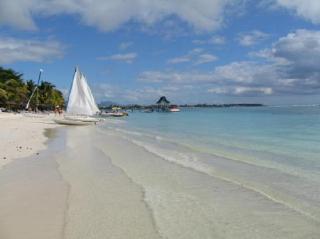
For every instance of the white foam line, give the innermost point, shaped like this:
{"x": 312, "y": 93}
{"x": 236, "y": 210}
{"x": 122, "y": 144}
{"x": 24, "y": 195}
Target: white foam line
{"x": 274, "y": 166}
{"x": 143, "y": 190}
{"x": 198, "y": 169}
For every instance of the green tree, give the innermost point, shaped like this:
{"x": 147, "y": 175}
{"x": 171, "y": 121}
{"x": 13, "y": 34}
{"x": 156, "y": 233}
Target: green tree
{"x": 15, "y": 92}
{"x": 6, "y": 74}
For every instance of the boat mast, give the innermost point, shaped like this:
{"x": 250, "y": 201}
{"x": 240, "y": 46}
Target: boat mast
{"x": 35, "y": 90}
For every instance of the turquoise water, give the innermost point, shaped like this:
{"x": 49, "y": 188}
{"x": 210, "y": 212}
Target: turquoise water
{"x": 273, "y": 151}
{"x": 284, "y": 135}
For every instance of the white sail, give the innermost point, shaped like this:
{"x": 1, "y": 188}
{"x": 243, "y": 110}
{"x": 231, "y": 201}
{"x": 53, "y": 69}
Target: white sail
{"x": 81, "y": 101}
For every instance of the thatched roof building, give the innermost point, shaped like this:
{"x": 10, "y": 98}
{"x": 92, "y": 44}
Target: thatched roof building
{"x": 163, "y": 104}
{"x": 163, "y": 101}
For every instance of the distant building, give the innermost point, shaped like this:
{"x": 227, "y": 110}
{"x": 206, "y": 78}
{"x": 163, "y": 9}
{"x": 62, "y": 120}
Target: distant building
{"x": 163, "y": 104}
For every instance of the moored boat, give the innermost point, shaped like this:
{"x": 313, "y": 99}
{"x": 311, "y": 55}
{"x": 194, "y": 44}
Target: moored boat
{"x": 174, "y": 108}
{"x": 116, "y": 112}
{"x": 65, "y": 121}
{"x": 81, "y": 104}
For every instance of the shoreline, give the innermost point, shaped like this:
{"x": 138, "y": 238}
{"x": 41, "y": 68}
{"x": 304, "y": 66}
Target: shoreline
{"x": 95, "y": 182}
{"x": 22, "y": 136}
{"x": 34, "y": 198}
{"x": 52, "y": 195}
{"x": 172, "y": 188}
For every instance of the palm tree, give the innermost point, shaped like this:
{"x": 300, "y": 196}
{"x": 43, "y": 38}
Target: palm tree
{"x": 14, "y": 92}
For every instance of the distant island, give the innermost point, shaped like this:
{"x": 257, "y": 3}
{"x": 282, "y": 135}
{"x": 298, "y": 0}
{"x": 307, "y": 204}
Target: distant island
{"x": 163, "y": 103}
{"x": 142, "y": 107}
{"x": 222, "y": 105}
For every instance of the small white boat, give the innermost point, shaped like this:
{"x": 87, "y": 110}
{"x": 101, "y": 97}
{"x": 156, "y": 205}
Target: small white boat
{"x": 81, "y": 104}
{"x": 174, "y": 108}
{"x": 115, "y": 114}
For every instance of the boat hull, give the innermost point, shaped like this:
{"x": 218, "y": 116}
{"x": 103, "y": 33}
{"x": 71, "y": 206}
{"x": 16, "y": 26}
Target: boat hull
{"x": 82, "y": 118}
{"x": 115, "y": 114}
{"x": 72, "y": 122}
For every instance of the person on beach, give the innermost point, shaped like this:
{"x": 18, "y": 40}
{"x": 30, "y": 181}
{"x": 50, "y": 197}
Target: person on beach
{"x": 57, "y": 110}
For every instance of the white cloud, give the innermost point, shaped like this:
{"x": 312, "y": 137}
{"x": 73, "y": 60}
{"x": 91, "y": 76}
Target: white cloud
{"x": 205, "y": 58}
{"x": 196, "y": 55}
{"x": 17, "y": 14}
{"x": 238, "y": 79}
{"x": 242, "y": 72}
{"x": 287, "y": 69}
{"x": 240, "y": 90}
{"x": 251, "y": 38}
{"x": 291, "y": 67}
{"x": 126, "y": 57}
{"x": 174, "y": 77}
{"x": 301, "y": 48}
{"x": 218, "y": 90}
{"x": 217, "y": 40}
{"x": 196, "y": 51}
{"x": 299, "y": 51}
{"x": 178, "y": 60}
{"x": 308, "y": 9}
{"x": 115, "y": 93}
{"x": 214, "y": 40}
{"x": 253, "y": 90}
{"x": 203, "y": 15}
{"x": 14, "y": 50}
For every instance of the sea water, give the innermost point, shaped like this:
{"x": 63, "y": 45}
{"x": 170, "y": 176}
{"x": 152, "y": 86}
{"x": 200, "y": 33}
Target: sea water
{"x": 286, "y": 137}
{"x": 272, "y": 151}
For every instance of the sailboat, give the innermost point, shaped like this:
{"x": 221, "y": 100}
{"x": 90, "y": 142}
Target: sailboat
{"x": 81, "y": 104}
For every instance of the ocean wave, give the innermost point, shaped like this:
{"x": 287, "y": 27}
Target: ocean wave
{"x": 193, "y": 161}
{"x": 256, "y": 157}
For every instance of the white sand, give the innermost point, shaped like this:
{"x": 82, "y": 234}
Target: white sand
{"x": 103, "y": 202}
{"x": 22, "y": 136}
{"x": 33, "y": 195}
{"x": 71, "y": 191}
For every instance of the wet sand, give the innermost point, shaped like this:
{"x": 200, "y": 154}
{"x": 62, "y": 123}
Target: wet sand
{"x": 71, "y": 191}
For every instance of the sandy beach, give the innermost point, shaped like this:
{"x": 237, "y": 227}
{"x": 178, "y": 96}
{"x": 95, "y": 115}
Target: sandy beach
{"x": 22, "y": 136}
{"x": 95, "y": 182}
{"x": 169, "y": 119}
{"x": 69, "y": 190}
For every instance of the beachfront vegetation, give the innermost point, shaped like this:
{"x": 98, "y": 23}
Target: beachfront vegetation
{"x": 15, "y": 92}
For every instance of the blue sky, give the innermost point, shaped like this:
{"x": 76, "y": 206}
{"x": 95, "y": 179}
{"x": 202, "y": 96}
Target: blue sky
{"x": 192, "y": 51}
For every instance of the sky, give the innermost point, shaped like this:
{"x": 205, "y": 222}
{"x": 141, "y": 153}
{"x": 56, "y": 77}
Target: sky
{"x": 192, "y": 51}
